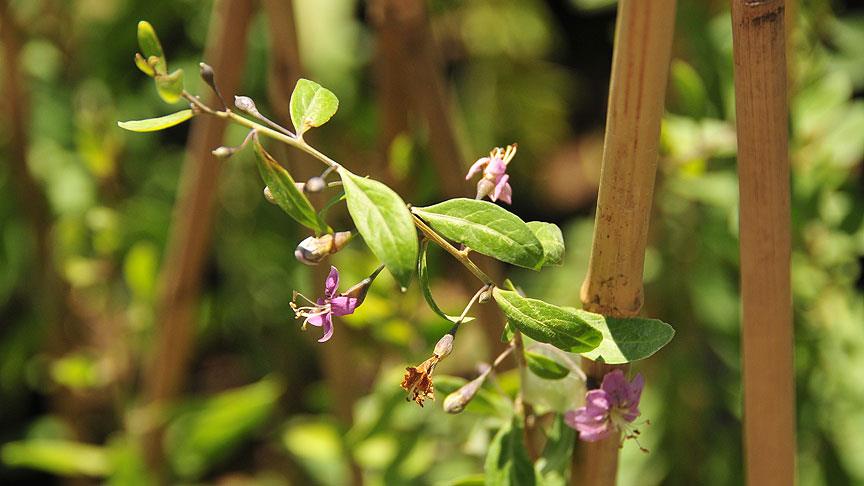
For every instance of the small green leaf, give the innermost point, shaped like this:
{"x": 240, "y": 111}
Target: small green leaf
{"x": 170, "y": 86}
{"x": 548, "y": 323}
{"x": 559, "y": 447}
{"x": 285, "y": 191}
{"x": 150, "y": 46}
{"x": 485, "y": 228}
{"x": 507, "y": 461}
{"x": 143, "y": 65}
{"x": 552, "y": 241}
{"x": 311, "y": 105}
{"x": 156, "y": 124}
{"x": 507, "y": 333}
{"x": 626, "y": 339}
{"x": 385, "y": 223}
{"x": 62, "y": 457}
{"x": 423, "y": 274}
{"x": 545, "y": 367}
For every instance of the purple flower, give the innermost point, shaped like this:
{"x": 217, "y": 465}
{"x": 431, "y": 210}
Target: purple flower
{"x": 321, "y": 312}
{"x": 610, "y": 409}
{"x": 494, "y": 182}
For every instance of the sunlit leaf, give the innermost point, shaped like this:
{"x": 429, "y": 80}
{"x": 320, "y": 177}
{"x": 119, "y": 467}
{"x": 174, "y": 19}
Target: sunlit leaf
{"x": 547, "y": 323}
{"x": 423, "y": 275}
{"x": 545, "y": 367}
{"x": 143, "y": 65}
{"x": 551, "y": 239}
{"x": 311, "y": 105}
{"x": 385, "y": 223}
{"x": 156, "y": 124}
{"x": 66, "y": 458}
{"x": 485, "y": 228}
{"x": 150, "y": 46}
{"x": 170, "y": 86}
{"x": 626, "y": 339}
{"x": 285, "y": 191}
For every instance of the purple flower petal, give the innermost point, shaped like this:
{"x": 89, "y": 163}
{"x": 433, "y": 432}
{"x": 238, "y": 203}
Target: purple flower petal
{"x": 590, "y": 430}
{"x": 331, "y": 284}
{"x": 506, "y": 194}
{"x": 316, "y": 321}
{"x": 499, "y": 187}
{"x": 616, "y": 386}
{"x": 476, "y": 167}
{"x": 328, "y": 328}
{"x": 496, "y": 167}
{"x": 343, "y": 305}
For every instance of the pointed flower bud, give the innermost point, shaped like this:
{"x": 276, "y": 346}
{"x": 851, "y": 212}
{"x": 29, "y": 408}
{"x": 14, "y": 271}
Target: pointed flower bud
{"x": 459, "y": 399}
{"x": 245, "y": 103}
{"x": 312, "y": 250}
{"x": 208, "y": 75}
{"x": 444, "y": 346}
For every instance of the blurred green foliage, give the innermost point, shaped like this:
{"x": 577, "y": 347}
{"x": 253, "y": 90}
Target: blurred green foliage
{"x": 262, "y": 400}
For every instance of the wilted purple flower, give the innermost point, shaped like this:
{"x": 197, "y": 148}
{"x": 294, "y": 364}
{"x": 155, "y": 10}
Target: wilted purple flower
{"x": 321, "y": 312}
{"x": 609, "y": 409}
{"x": 494, "y": 182}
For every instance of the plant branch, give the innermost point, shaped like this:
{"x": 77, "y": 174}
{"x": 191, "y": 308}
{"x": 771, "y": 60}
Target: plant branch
{"x": 463, "y": 258}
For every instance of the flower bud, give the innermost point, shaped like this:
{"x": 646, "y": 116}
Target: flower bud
{"x": 223, "y": 152}
{"x": 245, "y": 103}
{"x": 485, "y": 188}
{"x": 459, "y": 399}
{"x": 444, "y": 346}
{"x": 312, "y": 250}
{"x": 269, "y": 195}
{"x": 315, "y": 184}
{"x": 208, "y": 75}
{"x": 361, "y": 288}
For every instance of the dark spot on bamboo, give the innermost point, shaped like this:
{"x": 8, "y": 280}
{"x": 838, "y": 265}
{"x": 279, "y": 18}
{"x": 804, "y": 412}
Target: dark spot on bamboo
{"x": 769, "y": 17}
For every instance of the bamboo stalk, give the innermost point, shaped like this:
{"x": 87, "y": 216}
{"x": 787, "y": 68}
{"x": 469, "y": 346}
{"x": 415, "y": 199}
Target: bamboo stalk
{"x": 763, "y": 171}
{"x": 189, "y": 238}
{"x": 613, "y": 284}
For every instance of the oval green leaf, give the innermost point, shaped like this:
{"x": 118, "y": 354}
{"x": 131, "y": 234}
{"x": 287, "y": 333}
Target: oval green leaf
{"x": 485, "y": 228}
{"x": 170, "y": 86}
{"x": 626, "y": 339}
{"x": 423, "y": 275}
{"x": 285, "y": 191}
{"x": 385, "y": 223}
{"x": 311, "y": 105}
{"x": 150, "y": 46}
{"x": 545, "y": 367}
{"x": 551, "y": 239}
{"x": 548, "y": 323}
{"x": 507, "y": 460}
{"x": 156, "y": 124}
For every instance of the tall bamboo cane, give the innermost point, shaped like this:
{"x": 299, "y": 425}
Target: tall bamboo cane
{"x": 613, "y": 285}
{"x": 763, "y": 173}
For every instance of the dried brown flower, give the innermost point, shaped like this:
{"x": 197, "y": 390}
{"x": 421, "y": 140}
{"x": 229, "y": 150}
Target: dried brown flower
{"x": 418, "y": 380}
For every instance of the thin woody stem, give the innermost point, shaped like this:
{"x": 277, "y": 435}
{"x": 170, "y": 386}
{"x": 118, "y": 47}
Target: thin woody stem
{"x": 468, "y": 307}
{"x": 462, "y": 257}
{"x": 300, "y": 144}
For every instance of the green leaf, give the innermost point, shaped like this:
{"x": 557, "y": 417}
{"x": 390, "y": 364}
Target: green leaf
{"x": 507, "y": 333}
{"x": 547, "y": 323}
{"x": 170, "y": 86}
{"x": 143, "y": 65}
{"x": 156, "y": 124}
{"x": 285, "y": 191}
{"x": 552, "y": 241}
{"x": 545, "y": 367}
{"x": 423, "y": 274}
{"x": 626, "y": 339}
{"x": 311, "y": 105}
{"x": 150, "y": 46}
{"x": 208, "y": 432}
{"x": 507, "y": 461}
{"x": 62, "y": 457}
{"x": 485, "y": 228}
{"x": 385, "y": 223}
{"x": 558, "y": 450}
